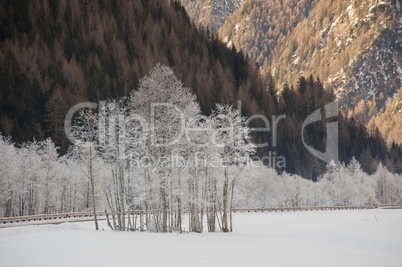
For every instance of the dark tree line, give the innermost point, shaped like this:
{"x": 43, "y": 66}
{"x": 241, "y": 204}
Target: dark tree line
{"x": 354, "y": 139}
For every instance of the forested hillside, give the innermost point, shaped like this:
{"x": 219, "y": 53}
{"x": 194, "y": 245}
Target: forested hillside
{"x": 211, "y": 14}
{"x": 259, "y": 27}
{"x": 353, "y": 46}
{"x": 56, "y": 54}
{"x": 390, "y": 121}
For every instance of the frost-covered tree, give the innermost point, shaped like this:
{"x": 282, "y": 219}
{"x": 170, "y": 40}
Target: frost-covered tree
{"x": 72, "y": 182}
{"x": 154, "y": 152}
{"x": 86, "y": 133}
{"x": 232, "y": 139}
{"x": 49, "y": 158}
{"x": 112, "y": 148}
{"x": 163, "y": 107}
{"x": 388, "y": 190}
{"x": 361, "y": 190}
{"x": 8, "y": 170}
{"x": 347, "y": 185}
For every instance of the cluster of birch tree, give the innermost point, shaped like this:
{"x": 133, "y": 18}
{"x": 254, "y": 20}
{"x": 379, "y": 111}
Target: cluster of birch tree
{"x": 154, "y": 152}
{"x": 164, "y": 157}
{"x": 341, "y": 185}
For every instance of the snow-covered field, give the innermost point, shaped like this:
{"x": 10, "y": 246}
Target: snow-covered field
{"x": 308, "y": 238}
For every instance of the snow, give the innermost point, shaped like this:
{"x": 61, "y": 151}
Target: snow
{"x": 370, "y": 94}
{"x": 350, "y": 10}
{"x": 308, "y": 238}
{"x": 357, "y": 86}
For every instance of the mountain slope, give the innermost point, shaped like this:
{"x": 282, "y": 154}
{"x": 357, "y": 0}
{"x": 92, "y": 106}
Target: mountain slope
{"x": 357, "y": 52}
{"x": 259, "y": 26}
{"x": 56, "y": 54}
{"x": 353, "y": 47}
{"x": 211, "y": 13}
{"x": 389, "y": 122}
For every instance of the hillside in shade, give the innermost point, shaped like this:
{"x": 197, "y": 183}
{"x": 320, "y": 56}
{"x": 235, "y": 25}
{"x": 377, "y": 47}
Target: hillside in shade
{"x": 56, "y": 54}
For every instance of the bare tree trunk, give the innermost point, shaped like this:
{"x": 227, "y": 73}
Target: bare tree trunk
{"x": 178, "y": 221}
{"x": 172, "y": 213}
{"x": 225, "y": 227}
{"x": 129, "y": 226}
{"x": 107, "y": 219}
{"x": 91, "y": 177}
{"x": 214, "y": 199}
{"x": 231, "y": 206}
{"x": 88, "y": 189}
{"x": 141, "y": 221}
{"x": 135, "y": 217}
{"x": 121, "y": 193}
{"x": 46, "y": 209}
{"x": 113, "y": 213}
{"x": 164, "y": 207}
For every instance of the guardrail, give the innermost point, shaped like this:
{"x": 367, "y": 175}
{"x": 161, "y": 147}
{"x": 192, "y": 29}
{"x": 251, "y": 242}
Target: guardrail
{"x": 304, "y": 208}
{"x": 48, "y": 218}
{"x": 390, "y": 206}
{"x": 88, "y": 216}
{"x": 57, "y": 218}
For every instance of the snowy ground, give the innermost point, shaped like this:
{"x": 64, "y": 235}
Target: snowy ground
{"x": 308, "y": 238}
